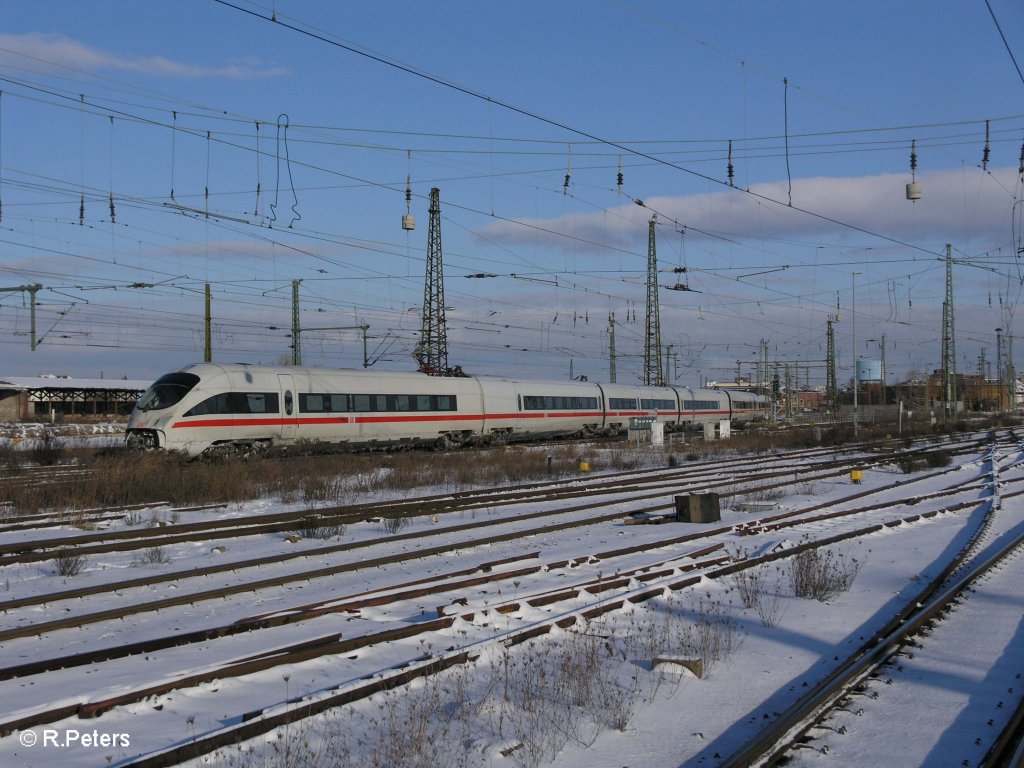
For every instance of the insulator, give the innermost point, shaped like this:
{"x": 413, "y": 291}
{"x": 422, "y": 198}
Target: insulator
{"x": 568, "y": 173}
{"x": 729, "y": 167}
{"x": 81, "y": 211}
{"x": 408, "y": 192}
{"x": 620, "y": 174}
{"x": 113, "y": 220}
{"x": 984, "y": 154}
{"x": 1020, "y": 170}
{"x": 913, "y": 156}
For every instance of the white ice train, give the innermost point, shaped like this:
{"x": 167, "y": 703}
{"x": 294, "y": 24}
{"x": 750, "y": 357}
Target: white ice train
{"x": 210, "y": 407}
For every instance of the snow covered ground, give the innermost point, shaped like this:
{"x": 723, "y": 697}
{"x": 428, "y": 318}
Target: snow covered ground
{"x": 25, "y": 435}
{"x": 499, "y": 711}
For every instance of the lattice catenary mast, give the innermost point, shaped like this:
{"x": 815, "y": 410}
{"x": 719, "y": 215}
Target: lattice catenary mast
{"x": 831, "y": 389}
{"x": 948, "y": 342}
{"x": 611, "y": 347}
{"x": 432, "y": 350}
{"x": 652, "y": 335}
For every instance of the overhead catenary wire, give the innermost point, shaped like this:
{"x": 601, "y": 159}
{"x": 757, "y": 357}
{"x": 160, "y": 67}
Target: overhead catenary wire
{"x": 211, "y": 212}
{"x": 535, "y": 116}
{"x": 1006, "y": 42}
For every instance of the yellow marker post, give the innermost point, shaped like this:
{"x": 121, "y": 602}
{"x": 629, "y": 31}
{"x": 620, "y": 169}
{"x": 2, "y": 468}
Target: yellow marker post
{"x": 855, "y": 476}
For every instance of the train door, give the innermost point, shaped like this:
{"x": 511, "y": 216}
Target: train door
{"x": 289, "y": 406}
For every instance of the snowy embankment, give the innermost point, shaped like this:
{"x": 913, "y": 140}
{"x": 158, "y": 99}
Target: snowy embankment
{"x": 503, "y": 708}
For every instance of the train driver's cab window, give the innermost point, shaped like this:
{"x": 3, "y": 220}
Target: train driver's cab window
{"x": 168, "y": 390}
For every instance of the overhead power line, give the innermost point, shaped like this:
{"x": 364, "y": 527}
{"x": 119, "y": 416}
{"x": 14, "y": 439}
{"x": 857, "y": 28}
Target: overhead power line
{"x": 1005, "y": 41}
{"x": 321, "y": 37}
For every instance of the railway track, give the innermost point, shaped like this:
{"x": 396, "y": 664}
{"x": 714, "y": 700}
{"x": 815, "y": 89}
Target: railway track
{"x": 765, "y": 476}
{"x": 595, "y": 580}
{"x": 842, "y": 718}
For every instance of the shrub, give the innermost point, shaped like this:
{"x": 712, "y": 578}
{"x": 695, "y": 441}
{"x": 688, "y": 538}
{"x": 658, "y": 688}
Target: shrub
{"x": 822, "y": 574}
{"x": 937, "y": 459}
{"x": 314, "y": 527}
{"x": 909, "y": 465}
{"x": 394, "y": 524}
{"x": 68, "y": 563}
{"x": 154, "y": 556}
{"x": 48, "y": 450}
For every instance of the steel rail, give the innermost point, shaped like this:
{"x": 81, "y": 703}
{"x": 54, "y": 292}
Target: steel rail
{"x": 769, "y": 746}
{"x": 261, "y": 721}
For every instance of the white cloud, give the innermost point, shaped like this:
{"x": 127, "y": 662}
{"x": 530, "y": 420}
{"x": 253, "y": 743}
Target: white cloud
{"x": 963, "y": 206}
{"x": 60, "y": 51}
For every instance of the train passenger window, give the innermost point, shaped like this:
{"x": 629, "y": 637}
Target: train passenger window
{"x": 658, "y": 404}
{"x": 700, "y": 405}
{"x": 256, "y": 402}
{"x": 236, "y": 402}
{"x": 309, "y": 403}
{"x": 446, "y": 403}
{"x": 339, "y": 403}
{"x": 561, "y": 403}
{"x": 423, "y": 403}
{"x": 380, "y": 403}
{"x": 360, "y": 403}
{"x": 402, "y": 403}
{"x": 622, "y": 403}
{"x": 211, "y": 405}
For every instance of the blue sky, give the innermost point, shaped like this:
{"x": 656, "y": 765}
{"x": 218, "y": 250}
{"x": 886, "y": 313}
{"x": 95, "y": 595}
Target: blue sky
{"x": 330, "y": 109}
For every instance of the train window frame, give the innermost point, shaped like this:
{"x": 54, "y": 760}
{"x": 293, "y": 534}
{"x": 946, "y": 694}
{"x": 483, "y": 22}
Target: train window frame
{"x": 313, "y": 402}
{"x": 622, "y": 404}
{"x": 324, "y": 402}
{"x": 236, "y": 404}
{"x": 657, "y": 404}
{"x": 167, "y": 391}
{"x": 560, "y": 403}
{"x": 701, "y": 405}
{"x": 401, "y": 403}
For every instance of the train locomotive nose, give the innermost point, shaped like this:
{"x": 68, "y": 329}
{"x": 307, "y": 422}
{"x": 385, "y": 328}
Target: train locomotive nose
{"x": 142, "y": 439}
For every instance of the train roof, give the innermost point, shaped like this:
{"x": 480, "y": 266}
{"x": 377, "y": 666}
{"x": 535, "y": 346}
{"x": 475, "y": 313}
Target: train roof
{"x": 290, "y": 369}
